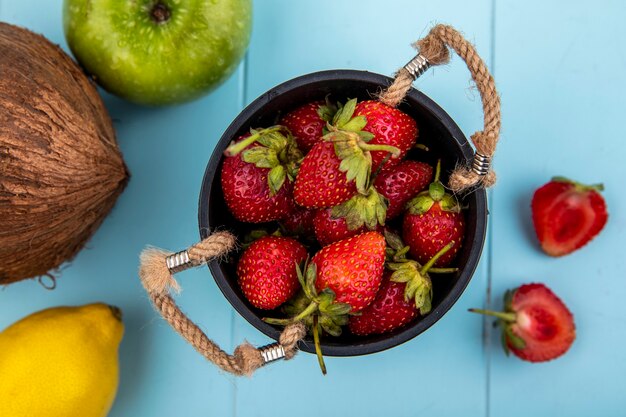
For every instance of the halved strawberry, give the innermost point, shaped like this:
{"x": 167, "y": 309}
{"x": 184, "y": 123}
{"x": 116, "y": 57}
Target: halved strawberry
{"x": 266, "y": 271}
{"x": 257, "y": 175}
{"x": 567, "y": 215}
{"x": 389, "y": 126}
{"x": 401, "y": 183}
{"x": 433, "y": 220}
{"x": 537, "y": 325}
{"x": 307, "y": 123}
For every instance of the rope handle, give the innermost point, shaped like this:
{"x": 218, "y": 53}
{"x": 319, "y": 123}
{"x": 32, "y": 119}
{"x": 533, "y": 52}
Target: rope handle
{"x": 433, "y": 50}
{"x": 156, "y": 273}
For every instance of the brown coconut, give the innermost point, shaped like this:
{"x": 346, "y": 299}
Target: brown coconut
{"x": 61, "y": 170}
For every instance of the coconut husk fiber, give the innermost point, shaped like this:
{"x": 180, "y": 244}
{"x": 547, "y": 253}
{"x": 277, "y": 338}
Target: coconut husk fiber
{"x": 61, "y": 170}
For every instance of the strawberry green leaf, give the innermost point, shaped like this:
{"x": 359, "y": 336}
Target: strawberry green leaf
{"x": 356, "y": 124}
{"x": 344, "y": 114}
{"x": 513, "y": 339}
{"x": 367, "y": 210}
{"x": 261, "y": 157}
{"x": 276, "y": 178}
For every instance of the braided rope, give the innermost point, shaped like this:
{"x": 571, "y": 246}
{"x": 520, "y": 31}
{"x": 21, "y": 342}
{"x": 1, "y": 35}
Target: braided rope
{"x": 159, "y": 281}
{"x": 434, "y": 47}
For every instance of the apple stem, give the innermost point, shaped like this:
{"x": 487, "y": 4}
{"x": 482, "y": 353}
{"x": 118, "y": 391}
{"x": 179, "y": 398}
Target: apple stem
{"x": 160, "y": 13}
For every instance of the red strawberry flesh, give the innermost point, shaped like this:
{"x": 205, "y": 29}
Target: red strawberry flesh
{"x": 543, "y": 321}
{"x": 567, "y": 215}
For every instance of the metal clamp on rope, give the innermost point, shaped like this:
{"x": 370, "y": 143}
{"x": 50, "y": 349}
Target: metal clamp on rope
{"x": 178, "y": 261}
{"x": 272, "y": 352}
{"x": 417, "y": 66}
{"x": 481, "y": 164}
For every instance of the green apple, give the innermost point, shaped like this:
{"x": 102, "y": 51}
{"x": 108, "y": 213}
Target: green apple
{"x": 158, "y": 52}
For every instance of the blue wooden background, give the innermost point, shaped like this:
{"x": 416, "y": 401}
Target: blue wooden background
{"x": 560, "y": 67}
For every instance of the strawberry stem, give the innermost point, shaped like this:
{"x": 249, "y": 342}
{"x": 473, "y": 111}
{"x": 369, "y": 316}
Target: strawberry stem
{"x": 277, "y": 322}
{"x": 236, "y": 148}
{"x": 443, "y": 270}
{"x": 509, "y": 317}
{"x": 579, "y": 185}
{"x": 311, "y": 308}
{"x": 318, "y": 347}
{"x": 438, "y": 171}
{"x": 435, "y": 258}
{"x": 395, "y": 152}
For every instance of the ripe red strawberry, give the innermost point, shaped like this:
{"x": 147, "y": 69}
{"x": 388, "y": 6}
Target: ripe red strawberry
{"x": 335, "y": 169}
{"x": 537, "y": 325}
{"x": 342, "y": 277}
{"x": 328, "y": 229}
{"x": 401, "y": 183}
{"x": 389, "y": 126}
{"x": 567, "y": 215}
{"x": 388, "y": 311}
{"x": 257, "y": 175}
{"x": 307, "y": 123}
{"x": 406, "y": 291}
{"x": 433, "y": 220}
{"x": 266, "y": 271}
{"x": 299, "y": 222}
{"x": 352, "y": 268}
{"x": 319, "y": 182}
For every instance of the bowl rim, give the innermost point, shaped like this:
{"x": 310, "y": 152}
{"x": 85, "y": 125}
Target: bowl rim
{"x": 410, "y": 331}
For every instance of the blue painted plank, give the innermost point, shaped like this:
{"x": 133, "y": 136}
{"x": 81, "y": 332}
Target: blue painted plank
{"x": 166, "y": 150}
{"x": 561, "y": 73}
{"x": 294, "y": 38}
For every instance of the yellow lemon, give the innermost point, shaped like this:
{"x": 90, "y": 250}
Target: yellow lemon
{"x": 61, "y": 362}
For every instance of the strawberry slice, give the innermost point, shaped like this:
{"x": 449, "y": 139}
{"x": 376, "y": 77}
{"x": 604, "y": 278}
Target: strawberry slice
{"x": 537, "y": 325}
{"x": 567, "y": 215}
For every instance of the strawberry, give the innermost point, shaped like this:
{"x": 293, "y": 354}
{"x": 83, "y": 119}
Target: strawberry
{"x": 307, "y": 123}
{"x": 299, "y": 222}
{"x": 352, "y": 268}
{"x": 339, "y": 166}
{"x": 433, "y": 220}
{"x": 536, "y": 325}
{"x": 401, "y": 183}
{"x": 266, "y": 271}
{"x": 567, "y": 215}
{"x": 341, "y": 278}
{"x": 320, "y": 183}
{"x": 390, "y": 127}
{"x": 406, "y": 291}
{"x": 257, "y": 175}
{"x": 388, "y": 311}
{"x": 329, "y": 229}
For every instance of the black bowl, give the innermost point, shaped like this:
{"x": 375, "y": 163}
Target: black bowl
{"x": 437, "y": 130}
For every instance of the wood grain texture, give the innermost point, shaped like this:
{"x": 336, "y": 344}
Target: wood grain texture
{"x": 560, "y": 70}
